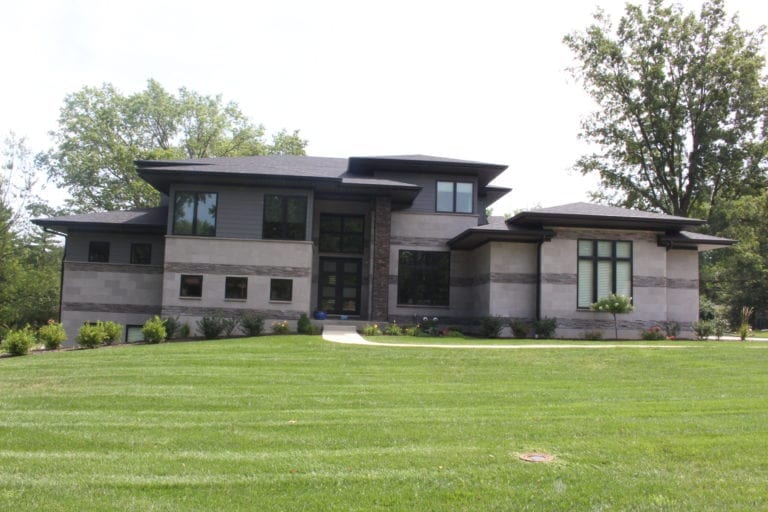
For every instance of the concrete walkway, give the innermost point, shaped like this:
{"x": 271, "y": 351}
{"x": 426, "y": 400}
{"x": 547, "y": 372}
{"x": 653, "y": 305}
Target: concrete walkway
{"x": 347, "y": 334}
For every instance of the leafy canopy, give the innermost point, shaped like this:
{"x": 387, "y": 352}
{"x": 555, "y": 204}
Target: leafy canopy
{"x": 681, "y": 119}
{"x": 102, "y": 131}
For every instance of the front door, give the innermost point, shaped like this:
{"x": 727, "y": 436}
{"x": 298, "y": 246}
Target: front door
{"x": 339, "y": 287}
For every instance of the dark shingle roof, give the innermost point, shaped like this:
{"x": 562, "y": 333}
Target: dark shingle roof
{"x": 690, "y": 239}
{"x": 144, "y": 219}
{"x": 267, "y": 165}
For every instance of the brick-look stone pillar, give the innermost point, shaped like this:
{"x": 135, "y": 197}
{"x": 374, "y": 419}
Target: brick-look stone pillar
{"x": 382, "y": 217}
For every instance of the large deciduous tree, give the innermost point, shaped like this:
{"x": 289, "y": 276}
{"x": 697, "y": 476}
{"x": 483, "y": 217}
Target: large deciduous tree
{"x": 101, "y": 132}
{"x": 682, "y": 106}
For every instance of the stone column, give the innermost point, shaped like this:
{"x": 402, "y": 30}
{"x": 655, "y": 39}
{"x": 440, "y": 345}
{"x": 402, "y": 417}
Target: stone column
{"x": 382, "y": 217}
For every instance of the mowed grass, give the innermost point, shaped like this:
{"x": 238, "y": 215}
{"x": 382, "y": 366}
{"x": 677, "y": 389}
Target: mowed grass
{"x": 296, "y": 423}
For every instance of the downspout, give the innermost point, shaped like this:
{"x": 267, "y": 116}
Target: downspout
{"x": 61, "y": 272}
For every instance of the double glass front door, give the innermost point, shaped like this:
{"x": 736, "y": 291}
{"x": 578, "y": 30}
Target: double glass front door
{"x": 339, "y": 286}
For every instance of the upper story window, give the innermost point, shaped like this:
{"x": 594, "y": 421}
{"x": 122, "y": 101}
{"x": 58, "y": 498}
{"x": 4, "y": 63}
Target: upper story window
{"x": 342, "y": 233}
{"x": 98, "y": 252}
{"x": 194, "y": 213}
{"x": 454, "y": 196}
{"x": 285, "y": 217}
{"x": 605, "y": 267}
{"x": 141, "y": 254}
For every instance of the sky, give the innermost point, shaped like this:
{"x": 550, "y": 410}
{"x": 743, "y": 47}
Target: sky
{"x": 478, "y": 80}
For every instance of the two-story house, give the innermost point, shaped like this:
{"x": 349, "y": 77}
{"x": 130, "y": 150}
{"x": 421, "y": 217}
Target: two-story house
{"x": 373, "y": 238}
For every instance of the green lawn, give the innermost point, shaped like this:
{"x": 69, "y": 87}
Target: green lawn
{"x": 296, "y": 423}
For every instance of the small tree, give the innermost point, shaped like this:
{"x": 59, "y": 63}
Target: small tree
{"x": 615, "y": 305}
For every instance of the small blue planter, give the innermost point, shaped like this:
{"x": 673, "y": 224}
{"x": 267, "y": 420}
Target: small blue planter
{"x": 320, "y": 315}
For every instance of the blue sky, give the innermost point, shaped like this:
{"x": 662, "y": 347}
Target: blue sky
{"x": 480, "y": 80}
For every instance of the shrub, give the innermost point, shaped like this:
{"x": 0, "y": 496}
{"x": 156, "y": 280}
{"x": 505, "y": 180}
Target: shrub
{"x": 211, "y": 326}
{"x": 112, "y": 331}
{"x": 520, "y": 329}
{"x": 251, "y": 324}
{"x": 304, "y": 325}
{"x": 545, "y": 327}
{"x": 453, "y": 333}
{"x": 719, "y": 327}
{"x": 52, "y": 335}
{"x": 371, "y": 330}
{"x": 428, "y": 327}
{"x": 702, "y": 329}
{"x": 491, "y": 326}
{"x": 91, "y": 335}
{"x": 172, "y": 326}
{"x": 744, "y": 328}
{"x": 671, "y": 328}
{"x": 229, "y": 325}
{"x": 410, "y": 331}
{"x": 393, "y": 330}
{"x": 154, "y": 330}
{"x": 655, "y": 333}
{"x": 18, "y": 341}
{"x": 595, "y": 335}
{"x": 615, "y": 305}
{"x": 280, "y": 327}
{"x": 184, "y": 331}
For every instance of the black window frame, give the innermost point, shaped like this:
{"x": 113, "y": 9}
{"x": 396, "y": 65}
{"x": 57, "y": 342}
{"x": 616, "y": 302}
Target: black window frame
{"x": 230, "y": 286}
{"x": 195, "y": 202}
{"x": 344, "y": 236}
{"x": 131, "y": 328}
{"x": 425, "y": 277}
{"x": 134, "y": 247}
{"x": 273, "y": 291}
{"x": 93, "y": 252}
{"x": 284, "y": 225}
{"x": 595, "y": 259}
{"x": 454, "y": 189}
{"x": 181, "y": 286}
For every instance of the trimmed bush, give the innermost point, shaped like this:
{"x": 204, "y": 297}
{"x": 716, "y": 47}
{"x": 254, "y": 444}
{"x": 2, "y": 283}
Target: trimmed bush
{"x": 520, "y": 329}
{"x": 172, "y": 326}
{"x": 229, "y": 325}
{"x": 211, "y": 327}
{"x": 91, "y": 335}
{"x": 252, "y": 325}
{"x": 702, "y": 329}
{"x": 18, "y": 342}
{"x": 304, "y": 325}
{"x": 154, "y": 330}
{"x": 52, "y": 335}
{"x": 545, "y": 327}
{"x": 655, "y": 333}
{"x": 491, "y": 326}
{"x": 112, "y": 331}
{"x": 184, "y": 331}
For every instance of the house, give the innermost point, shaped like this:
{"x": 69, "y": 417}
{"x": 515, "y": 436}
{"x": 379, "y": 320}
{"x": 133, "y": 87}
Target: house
{"x": 390, "y": 238}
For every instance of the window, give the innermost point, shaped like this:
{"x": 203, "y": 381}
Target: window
{"x": 98, "y": 252}
{"x": 191, "y": 286}
{"x": 423, "y": 278}
{"x": 342, "y": 233}
{"x": 236, "y": 288}
{"x": 455, "y": 197}
{"x": 605, "y": 267}
{"x": 133, "y": 333}
{"x": 281, "y": 290}
{"x": 194, "y": 213}
{"x": 285, "y": 217}
{"x": 141, "y": 254}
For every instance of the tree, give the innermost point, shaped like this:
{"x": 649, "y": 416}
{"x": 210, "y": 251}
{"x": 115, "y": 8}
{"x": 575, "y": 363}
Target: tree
{"x": 101, "y": 132}
{"x": 615, "y": 305}
{"x": 682, "y": 106}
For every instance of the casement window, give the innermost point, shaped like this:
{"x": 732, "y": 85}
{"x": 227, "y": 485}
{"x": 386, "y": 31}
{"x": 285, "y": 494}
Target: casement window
{"x": 342, "y": 233}
{"x": 281, "y": 290}
{"x": 191, "y": 286}
{"x": 194, "y": 213}
{"x": 98, "y": 252}
{"x": 141, "y": 254}
{"x": 423, "y": 278}
{"x": 236, "y": 288}
{"x": 455, "y": 197}
{"x": 285, "y": 217}
{"x": 605, "y": 267}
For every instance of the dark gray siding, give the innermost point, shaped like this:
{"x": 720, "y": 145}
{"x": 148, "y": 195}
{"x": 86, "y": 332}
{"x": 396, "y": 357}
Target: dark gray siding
{"x": 426, "y": 200}
{"x": 119, "y": 246}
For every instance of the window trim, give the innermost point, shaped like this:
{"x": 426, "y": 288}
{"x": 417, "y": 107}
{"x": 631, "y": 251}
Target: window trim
{"x": 454, "y": 188}
{"x": 196, "y": 195}
{"x": 227, "y": 288}
{"x": 90, "y": 251}
{"x": 595, "y": 259}
{"x": 400, "y": 274}
{"x": 181, "y": 286}
{"x": 135, "y": 244}
{"x": 272, "y": 282}
{"x": 284, "y": 216}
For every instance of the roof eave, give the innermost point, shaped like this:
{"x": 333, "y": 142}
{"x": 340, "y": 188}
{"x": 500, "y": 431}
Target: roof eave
{"x": 473, "y": 237}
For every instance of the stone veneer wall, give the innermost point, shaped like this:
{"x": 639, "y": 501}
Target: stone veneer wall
{"x": 382, "y": 219}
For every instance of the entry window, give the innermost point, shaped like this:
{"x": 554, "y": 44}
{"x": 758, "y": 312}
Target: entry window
{"x": 423, "y": 278}
{"x": 281, "y": 290}
{"x": 141, "y": 254}
{"x": 194, "y": 213}
{"x": 191, "y": 286}
{"x": 605, "y": 267}
{"x": 455, "y": 197}
{"x": 342, "y": 233}
{"x": 98, "y": 252}
{"x": 236, "y": 288}
{"x": 285, "y": 217}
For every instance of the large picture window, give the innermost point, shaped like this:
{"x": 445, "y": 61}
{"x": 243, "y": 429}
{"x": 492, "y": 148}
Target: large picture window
{"x": 605, "y": 267}
{"x": 423, "y": 278}
{"x": 285, "y": 217}
{"x": 455, "y": 197}
{"x": 194, "y": 213}
{"x": 342, "y": 233}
